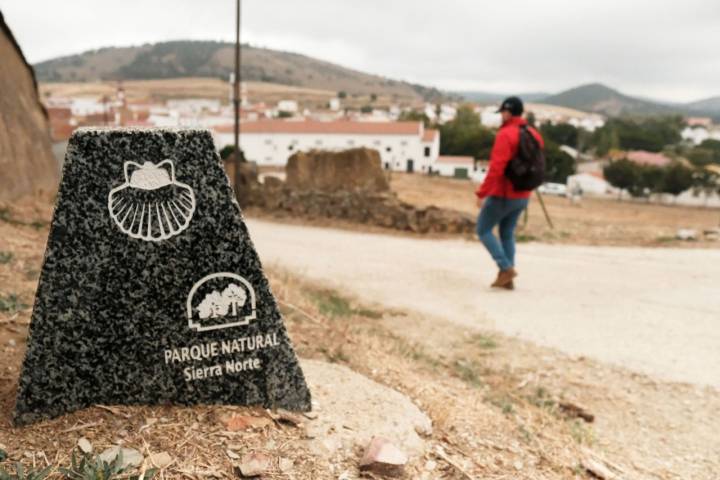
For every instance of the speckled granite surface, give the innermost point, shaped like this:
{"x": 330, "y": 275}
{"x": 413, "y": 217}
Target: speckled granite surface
{"x": 151, "y": 291}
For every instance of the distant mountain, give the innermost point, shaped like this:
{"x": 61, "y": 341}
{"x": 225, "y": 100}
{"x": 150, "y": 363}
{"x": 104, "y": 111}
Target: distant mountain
{"x": 707, "y": 105}
{"x": 216, "y": 59}
{"x": 494, "y": 97}
{"x": 599, "y": 98}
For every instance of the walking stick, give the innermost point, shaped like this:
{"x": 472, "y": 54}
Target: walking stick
{"x": 542, "y": 204}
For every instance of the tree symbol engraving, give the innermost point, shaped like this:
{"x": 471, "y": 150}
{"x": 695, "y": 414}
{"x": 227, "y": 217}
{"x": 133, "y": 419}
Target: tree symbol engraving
{"x": 216, "y": 304}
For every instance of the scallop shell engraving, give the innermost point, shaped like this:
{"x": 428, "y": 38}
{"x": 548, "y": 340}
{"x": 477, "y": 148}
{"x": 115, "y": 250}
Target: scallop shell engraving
{"x": 151, "y": 205}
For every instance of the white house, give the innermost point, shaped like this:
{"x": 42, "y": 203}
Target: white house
{"x": 403, "y": 146}
{"x": 490, "y": 118}
{"x": 695, "y": 134}
{"x": 455, "y": 166}
{"x": 290, "y": 106}
{"x": 589, "y": 183}
{"x": 589, "y": 122}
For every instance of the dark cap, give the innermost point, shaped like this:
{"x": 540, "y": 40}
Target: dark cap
{"x": 513, "y": 105}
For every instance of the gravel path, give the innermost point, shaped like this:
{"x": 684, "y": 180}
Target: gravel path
{"x": 656, "y": 311}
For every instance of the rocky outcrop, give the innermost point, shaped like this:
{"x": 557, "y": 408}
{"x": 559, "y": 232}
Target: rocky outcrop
{"x": 26, "y": 160}
{"x": 326, "y": 171}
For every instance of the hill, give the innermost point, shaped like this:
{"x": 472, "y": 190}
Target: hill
{"x": 494, "y": 97}
{"x": 708, "y": 105}
{"x": 599, "y": 98}
{"x": 216, "y": 59}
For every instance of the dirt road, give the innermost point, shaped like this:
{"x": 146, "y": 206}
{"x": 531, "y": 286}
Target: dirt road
{"x": 654, "y": 311}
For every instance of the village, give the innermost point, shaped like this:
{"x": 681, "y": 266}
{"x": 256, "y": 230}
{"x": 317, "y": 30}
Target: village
{"x": 272, "y": 132}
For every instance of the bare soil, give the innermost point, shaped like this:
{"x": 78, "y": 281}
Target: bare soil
{"x": 595, "y": 221}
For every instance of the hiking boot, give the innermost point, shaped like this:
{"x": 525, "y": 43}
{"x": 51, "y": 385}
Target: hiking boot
{"x": 504, "y": 278}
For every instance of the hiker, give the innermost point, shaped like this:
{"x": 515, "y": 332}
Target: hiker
{"x": 516, "y": 167}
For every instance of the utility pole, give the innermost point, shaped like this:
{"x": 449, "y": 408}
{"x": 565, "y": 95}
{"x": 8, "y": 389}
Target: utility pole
{"x": 236, "y": 99}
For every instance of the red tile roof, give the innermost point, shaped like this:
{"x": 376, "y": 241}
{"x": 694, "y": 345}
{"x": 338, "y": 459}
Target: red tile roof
{"x": 456, "y": 160}
{"x": 429, "y": 135}
{"x": 334, "y": 127}
{"x": 648, "y": 158}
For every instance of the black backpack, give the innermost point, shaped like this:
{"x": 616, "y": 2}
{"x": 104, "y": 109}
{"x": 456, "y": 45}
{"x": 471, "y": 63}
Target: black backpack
{"x": 527, "y": 170}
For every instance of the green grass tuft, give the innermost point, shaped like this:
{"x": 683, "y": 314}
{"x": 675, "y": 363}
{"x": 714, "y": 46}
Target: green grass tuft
{"x": 11, "y": 303}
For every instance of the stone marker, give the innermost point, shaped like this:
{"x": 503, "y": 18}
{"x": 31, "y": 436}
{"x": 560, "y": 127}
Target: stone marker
{"x": 151, "y": 290}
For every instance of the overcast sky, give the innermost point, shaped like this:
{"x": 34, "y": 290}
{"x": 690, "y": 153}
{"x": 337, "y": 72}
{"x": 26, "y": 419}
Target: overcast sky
{"x": 662, "y": 49}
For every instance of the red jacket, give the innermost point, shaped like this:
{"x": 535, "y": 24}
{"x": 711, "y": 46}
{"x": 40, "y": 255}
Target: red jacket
{"x": 505, "y": 148}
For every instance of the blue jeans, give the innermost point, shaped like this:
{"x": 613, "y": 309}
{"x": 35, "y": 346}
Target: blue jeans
{"x": 505, "y": 213}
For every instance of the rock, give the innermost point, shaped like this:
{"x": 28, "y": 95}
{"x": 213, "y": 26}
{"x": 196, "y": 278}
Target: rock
{"x": 272, "y": 182}
{"x": 686, "y": 234}
{"x": 254, "y": 464}
{"x": 383, "y": 458}
{"x": 331, "y": 171}
{"x": 190, "y": 253}
{"x": 232, "y": 455}
{"x": 246, "y": 422}
{"x": 84, "y": 445}
{"x": 286, "y": 465}
{"x": 352, "y": 409}
{"x": 160, "y": 460}
{"x": 130, "y": 456}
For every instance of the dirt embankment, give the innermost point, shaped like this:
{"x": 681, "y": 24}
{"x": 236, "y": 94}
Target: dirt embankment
{"x": 26, "y": 158}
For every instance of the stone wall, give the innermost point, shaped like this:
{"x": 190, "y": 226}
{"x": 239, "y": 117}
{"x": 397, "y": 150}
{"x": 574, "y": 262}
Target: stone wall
{"x": 357, "y": 206}
{"x": 26, "y": 159}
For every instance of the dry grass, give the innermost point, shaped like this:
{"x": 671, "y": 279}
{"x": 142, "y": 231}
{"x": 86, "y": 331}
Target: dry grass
{"x": 178, "y": 88}
{"x": 171, "y": 88}
{"x": 594, "y": 222}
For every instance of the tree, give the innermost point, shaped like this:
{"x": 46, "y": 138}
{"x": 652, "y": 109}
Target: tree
{"x": 558, "y": 164}
{"x": 415, "y": 116}
{"x": 465, "y": 135}
{"x": 342, "y": 94}
{"x": 284, "y": 114}
{"x": 366, "y": 109}
{"x": 373, "y": 97}
{"x": 707, "y": 153}
{"x": 562, "y": 133}
{"x": 706, "y": 182}
{"x": 227, "y": 151}
{"x": 530, "y": 117}
{"x": 651, "y": 179}
{"x": 623, "y": 175}
{"x": 677, "y": 179}
{"x": 646, "y": 133}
